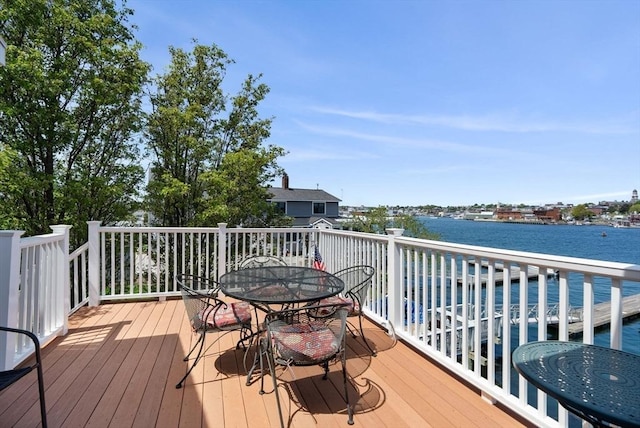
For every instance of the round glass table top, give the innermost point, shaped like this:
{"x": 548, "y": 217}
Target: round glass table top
{"x": 280, "y": 284}
{"x": 595, "y": 382}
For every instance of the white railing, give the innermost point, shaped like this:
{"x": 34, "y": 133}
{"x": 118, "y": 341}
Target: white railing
{"x": 433, "y": 275}
{"x": 447, "y": 300}
{"x": 430, "y": 289}
{"x": 34, "y": 292}
{"x": 137, "y": 262}
{"x": 293, "y": 245}
{"x": 78, "y": 277}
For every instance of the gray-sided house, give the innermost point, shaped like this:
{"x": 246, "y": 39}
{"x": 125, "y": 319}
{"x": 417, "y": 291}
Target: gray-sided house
{"x": 308, "y": 207}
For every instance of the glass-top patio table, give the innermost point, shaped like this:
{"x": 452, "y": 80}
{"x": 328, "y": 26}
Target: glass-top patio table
{"x": 266, "y": 286}
{"x": 601, "y": 385}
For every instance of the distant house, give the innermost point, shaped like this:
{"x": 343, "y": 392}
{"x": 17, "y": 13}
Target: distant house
{"x": 509, "y": 214}
{"x": 308, "y": 207}
{"x": 548, "y": 214}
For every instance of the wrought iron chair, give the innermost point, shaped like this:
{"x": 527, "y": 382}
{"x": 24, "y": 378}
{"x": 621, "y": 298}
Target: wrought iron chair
{"x": 207, "y": 313}
{"x": 307, "y": 336}
{"x": 9, "y": 377}
{"x": 260, "y": 261}
{"x": 357, "y": 282}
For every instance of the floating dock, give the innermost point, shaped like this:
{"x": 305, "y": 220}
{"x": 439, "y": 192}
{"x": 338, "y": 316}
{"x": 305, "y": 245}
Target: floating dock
{"x": 602, "y": 314}
{"x": 514, "y": 275}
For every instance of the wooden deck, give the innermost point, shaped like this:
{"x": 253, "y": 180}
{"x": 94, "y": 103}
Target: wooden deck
{"x": 119, "y": 363}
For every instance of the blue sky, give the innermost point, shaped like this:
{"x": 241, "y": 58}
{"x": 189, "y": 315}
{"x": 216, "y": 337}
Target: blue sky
{"x": 432, "y": 102}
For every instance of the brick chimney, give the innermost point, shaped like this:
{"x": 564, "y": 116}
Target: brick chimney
{"x": 285, "y": 181}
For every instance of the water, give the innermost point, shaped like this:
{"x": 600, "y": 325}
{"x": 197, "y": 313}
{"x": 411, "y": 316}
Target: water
{"x": 619, "y": 245}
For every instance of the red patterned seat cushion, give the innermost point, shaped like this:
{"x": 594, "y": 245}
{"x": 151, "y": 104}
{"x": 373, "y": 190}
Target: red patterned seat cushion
{"x": 269, "y": 291}
{"x": 226, "y": 316}
{"x": 304, "y": 343}
{"x": 351, "y": 304}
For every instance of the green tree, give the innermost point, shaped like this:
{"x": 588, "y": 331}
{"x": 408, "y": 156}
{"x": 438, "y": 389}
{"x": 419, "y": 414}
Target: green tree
{"x": 209, "y": 165}
{"x": 377, "y": 220}
{"x": 70, "y": 103}
{"x": 11, "y": 174}
{"x": 581, "y": 212}
{"x": 634, "y": 209}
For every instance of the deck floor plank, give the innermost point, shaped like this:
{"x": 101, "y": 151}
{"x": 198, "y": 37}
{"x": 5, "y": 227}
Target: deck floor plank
{"x": 119, "y": 364}
{"x": 122, "y": 365}
{"x": 149, "y": 408}
{"x": 156, "y": 327}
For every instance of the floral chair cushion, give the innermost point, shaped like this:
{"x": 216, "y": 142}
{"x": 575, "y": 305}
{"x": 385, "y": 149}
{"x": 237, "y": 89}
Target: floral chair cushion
{"x": 304, "y": 343}
{"x": 352, "y": 304}
{"x": 224, "y": 316}
{"x": 269, "y": 291}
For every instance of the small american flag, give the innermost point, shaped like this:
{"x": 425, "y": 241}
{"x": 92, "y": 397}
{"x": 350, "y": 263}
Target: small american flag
{"x": 317, "y": 260}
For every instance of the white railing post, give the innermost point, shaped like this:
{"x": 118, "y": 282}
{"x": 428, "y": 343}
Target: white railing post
{"x": 94, "y": 262}
{"x": 222, "y": 249}
{"x": 9, "y": 281}
{"x": 394, "y": 288}
{"x": 63, "y": 291}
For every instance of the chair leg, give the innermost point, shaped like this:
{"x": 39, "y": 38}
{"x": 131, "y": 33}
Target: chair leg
{"x": 325, "y": 366}
{"x": 257, "y": 358}
{"x": 201, "y": 340}
{"x": 364, "y": 339}
{"x": 272, "y": 370}
{"x": 261, "y": 352}
{"x": 186, "y": 358}
{"x": 43, "y": 407}
{"x": 246, "y": 333}
{"x": 346, "y": 390}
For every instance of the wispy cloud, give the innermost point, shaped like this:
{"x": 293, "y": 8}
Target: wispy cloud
{"x": 492, "y": 122}
{"x": 423, "y": 143}
{"x": 438, "y": 170}
{"x": 296, "y": 155}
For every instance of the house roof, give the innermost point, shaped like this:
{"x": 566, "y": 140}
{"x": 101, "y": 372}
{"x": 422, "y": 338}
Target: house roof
{"x": 280, "y": 194}
{"x": 311, "y": 221}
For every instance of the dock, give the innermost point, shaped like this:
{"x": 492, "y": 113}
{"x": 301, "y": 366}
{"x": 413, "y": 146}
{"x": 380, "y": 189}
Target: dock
{"x": 514, "y": 275}
{"x": 602, "y": 314}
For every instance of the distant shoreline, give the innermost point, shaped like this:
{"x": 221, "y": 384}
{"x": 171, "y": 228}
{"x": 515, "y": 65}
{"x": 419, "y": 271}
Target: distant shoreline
{"x": 540, "y": 222}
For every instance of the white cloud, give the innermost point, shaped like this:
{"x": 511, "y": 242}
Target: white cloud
{"x": 438, "y": 170}
{"x": 493, "y": 122}
{"x": 392, "y": 141}
{"x": 296, "y": 155}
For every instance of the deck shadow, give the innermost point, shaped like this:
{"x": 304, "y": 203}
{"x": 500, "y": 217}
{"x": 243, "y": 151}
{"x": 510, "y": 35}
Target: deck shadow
{"x": 314, "y": 395}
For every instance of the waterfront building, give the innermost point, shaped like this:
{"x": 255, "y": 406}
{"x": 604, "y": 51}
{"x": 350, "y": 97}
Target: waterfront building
{"x": 509, "y": 214}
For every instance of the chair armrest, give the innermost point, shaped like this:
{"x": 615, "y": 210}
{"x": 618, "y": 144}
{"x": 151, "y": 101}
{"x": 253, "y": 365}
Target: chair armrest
{"x": 34, "y": 339}
{"x": 32, "y": 336}
{"x": 211, "y": 286}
